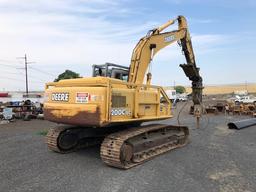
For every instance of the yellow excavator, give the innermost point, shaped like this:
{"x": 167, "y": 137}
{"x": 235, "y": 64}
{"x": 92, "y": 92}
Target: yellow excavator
{"x": 110, "y": 106}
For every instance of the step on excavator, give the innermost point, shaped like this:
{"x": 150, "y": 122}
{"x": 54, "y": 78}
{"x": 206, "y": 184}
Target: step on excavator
{"x": 109, "y": 107}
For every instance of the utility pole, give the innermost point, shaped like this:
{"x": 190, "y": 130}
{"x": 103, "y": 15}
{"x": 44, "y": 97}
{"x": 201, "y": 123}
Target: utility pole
{"x": 26, "y": 70}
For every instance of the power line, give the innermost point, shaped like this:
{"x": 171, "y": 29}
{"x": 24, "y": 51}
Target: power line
{"x": 39, "y": 70}
{"x": 8, "y": 61}
{"x": 6, "y": 65}
{"x": 7, "y": 77}
{"x": 21, "y": 73}
{"x": 26, "y": 69}
{"x": 34, "y": 77}
{"x": 13, "y": 73}
{"x": 10, "y": 78}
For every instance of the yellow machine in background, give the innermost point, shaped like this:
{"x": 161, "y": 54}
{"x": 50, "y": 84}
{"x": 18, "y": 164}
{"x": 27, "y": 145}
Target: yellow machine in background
{"x": 109, "y": 107}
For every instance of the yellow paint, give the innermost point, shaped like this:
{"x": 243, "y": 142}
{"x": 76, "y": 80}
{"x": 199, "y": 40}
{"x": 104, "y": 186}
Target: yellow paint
{"x": 143, "y": 105}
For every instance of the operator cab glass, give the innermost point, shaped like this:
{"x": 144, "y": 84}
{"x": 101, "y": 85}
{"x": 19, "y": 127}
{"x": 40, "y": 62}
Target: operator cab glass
{"x": 111, "y": 70}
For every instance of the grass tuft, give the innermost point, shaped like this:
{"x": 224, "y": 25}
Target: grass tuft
{"x": 43, "y": 133}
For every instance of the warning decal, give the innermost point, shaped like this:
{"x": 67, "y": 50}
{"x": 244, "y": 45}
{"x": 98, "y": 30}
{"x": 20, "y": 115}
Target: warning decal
{"x": 82, "y": 97}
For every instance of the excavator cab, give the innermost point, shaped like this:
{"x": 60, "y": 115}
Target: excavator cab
{"x": 111, "y": 70}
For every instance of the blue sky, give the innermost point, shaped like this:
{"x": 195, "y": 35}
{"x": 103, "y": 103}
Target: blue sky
{"x": 69, "y": 34}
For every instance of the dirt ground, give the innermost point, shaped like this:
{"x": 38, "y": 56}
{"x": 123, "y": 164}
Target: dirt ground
{"x": 217, "y": 159}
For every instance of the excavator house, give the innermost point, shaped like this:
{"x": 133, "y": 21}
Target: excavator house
{"x": 109, "y": 107}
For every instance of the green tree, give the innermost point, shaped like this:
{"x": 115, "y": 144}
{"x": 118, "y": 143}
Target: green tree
{"x": 68, "y": 74}
{"x": 180, "y": 89}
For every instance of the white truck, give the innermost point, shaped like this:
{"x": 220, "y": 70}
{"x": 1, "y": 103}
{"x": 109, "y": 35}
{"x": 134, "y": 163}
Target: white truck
{"x": 172, "y": 95}
{"x": 182, "y": 97}
{"x": 245, "y": 99}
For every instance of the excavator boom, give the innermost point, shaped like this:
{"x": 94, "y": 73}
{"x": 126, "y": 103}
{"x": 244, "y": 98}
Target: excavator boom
{"x": 156, "y": 40}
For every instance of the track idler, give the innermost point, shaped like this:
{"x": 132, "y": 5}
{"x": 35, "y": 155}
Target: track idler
{"x": 65, "y": 139}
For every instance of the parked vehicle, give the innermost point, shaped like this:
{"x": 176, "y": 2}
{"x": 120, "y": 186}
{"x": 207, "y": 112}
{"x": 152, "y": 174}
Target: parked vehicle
{"x": 182, "y": 97}
{"x": 245, "y": 99}
{"x": 172, "y": 95}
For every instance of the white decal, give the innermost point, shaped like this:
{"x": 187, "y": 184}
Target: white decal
{"x": 96, "y": 98}
{"x": 169, "y": 38}
{"x": 82, "y": 97}
{"x": 60, "y": 96}
{"x": 120, "y": 112}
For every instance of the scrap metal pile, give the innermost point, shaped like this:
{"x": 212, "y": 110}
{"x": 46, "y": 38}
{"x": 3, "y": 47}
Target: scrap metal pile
{"x": 230, "y": 107}
{"x": 25, "y": 110}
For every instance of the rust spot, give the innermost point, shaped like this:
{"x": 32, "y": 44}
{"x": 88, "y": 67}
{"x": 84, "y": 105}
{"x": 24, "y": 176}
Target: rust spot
{"x": 83, "y": 118}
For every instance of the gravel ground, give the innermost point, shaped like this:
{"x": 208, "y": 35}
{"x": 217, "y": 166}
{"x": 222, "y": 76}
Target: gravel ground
{"x": 216, "y": 159}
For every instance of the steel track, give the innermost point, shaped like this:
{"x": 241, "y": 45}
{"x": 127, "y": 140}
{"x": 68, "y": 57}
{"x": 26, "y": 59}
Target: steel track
{"x": 52, "y": 140}
{"x": 112, "y": 147}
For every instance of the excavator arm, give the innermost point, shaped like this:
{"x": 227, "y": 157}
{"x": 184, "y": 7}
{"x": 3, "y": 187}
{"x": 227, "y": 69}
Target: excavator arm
{"x": 156, "y": 40}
